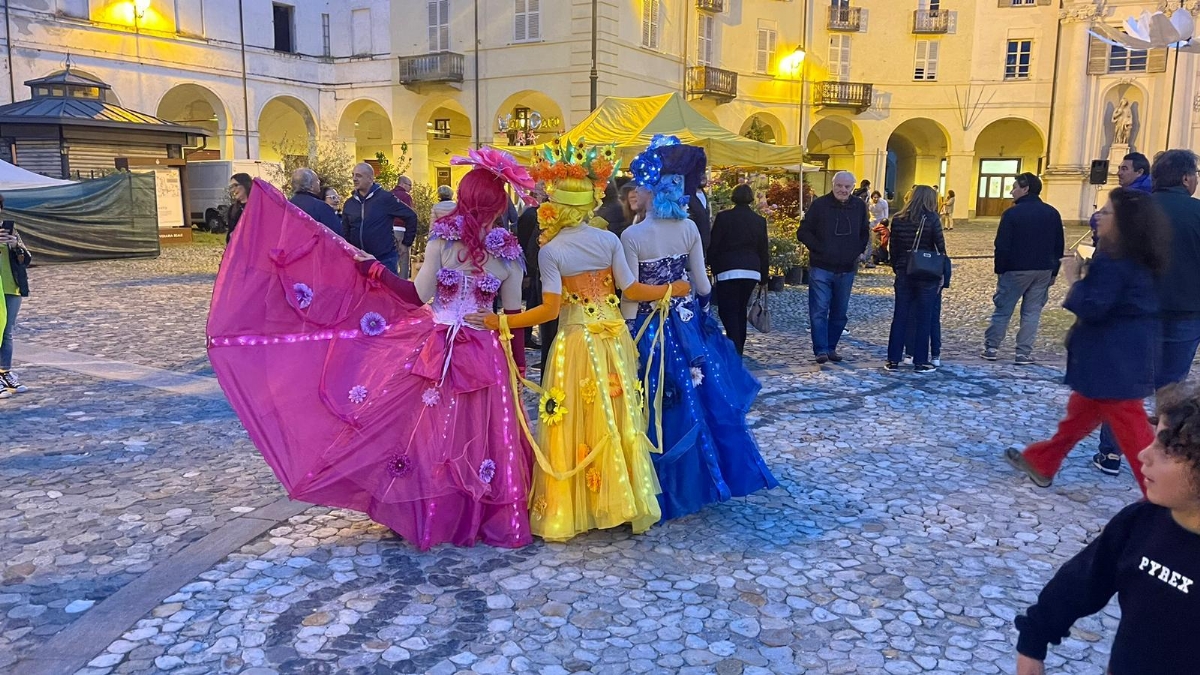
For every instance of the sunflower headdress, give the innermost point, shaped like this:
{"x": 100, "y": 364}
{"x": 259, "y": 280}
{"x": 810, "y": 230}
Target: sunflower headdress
{"x": 575, "y": 175}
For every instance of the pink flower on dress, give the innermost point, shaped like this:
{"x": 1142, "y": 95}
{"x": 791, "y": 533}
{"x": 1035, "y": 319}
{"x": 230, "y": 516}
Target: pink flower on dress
{"x": 448, "y": 277}
{"x": 399, "y": 466}
{"x": 488, "y": 284}
{"x": 373, "y": 324}
{"x": 358, "y": 394}
{"x": 503, "y": 244}
{"x": 431, "y": 396}
{"x": 487, "y": 470}
{"x": 449, "y": 229}
{"x": 304, "y": 295}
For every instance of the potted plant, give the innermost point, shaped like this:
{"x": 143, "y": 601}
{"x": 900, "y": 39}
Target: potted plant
{"x": 784, "y": 255}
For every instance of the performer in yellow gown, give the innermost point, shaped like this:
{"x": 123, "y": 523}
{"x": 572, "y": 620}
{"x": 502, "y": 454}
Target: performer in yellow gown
{"x": 593, "y": 467}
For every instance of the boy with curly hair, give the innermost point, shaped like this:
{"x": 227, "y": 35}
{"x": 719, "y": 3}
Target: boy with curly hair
{"x": 1148, "y": 556}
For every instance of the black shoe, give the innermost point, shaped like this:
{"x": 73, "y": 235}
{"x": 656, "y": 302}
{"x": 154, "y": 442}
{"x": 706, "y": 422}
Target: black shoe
{"x": 1018, "y": 461}
{"x": 9, "y": 381}
{"x": 822, "y": 358}
{"x": 835, "y": 357}
{"x": 924, "y": 368}
{"x": 891, "y": 366}
{"x": 1108, "y": 463}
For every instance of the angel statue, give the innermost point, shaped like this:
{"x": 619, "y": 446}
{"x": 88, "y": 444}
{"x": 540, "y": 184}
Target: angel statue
{"x": 1122, "y": 121}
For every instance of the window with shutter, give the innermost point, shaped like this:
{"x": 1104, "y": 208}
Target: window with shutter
{"x": 839, "y": 57}
{"x": 1097, "y": 56}
{"x": 1156, "y": 61}
{"x": 439, "y": 25}
{"x": 650, "y": 23}
{"x": 527, "y": 21}
{"x": 766, "y": 50}
{"x": 704, "y": 46}
{"x": 925, "y": 63}
{"x": 1121, "y": 60}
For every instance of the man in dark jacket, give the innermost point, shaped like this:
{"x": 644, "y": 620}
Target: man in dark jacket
{"x": 835, "y": 229}
{"x": 610, "y": 210}
{"x": 1029, "y": 249}
{"x": 368, "y": 215}
{"x": 1175, "y": 180}
{"x": 403, "y": 192}
{"x": 1133, "y": 173}
{"x": 306, "y": 187}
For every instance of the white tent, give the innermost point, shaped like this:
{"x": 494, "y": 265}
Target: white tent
{"x": 16, "y": 178}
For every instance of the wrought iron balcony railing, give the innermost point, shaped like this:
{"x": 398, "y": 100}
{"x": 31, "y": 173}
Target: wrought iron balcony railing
{"x": 716, "y": 6}
{"x": 431, "y": 68}
{"x": 846, "y": 19}
{"x": 856, "y": 95}
{"x": 931, "y": 21}
{"x": 709, "y": 81}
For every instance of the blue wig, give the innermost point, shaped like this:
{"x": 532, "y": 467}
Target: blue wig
{"x": 672, "y": 171}
{"x": 670, "y": 201}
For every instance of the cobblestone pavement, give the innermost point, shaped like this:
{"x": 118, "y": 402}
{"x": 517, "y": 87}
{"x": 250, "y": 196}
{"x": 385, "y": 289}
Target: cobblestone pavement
{"x": 896, "y": 542}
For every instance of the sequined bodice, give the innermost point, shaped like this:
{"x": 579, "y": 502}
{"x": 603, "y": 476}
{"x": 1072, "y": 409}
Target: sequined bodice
{"x": 662, "y": 271}
{"x": 461, "y": 293}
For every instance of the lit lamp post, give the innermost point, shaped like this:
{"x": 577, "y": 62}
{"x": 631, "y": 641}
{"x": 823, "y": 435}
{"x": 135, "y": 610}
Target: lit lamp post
{"x": 139, "y": 13}
{"x": 794, "y": 63}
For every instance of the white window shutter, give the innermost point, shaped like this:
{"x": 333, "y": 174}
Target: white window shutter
{"x": 433, "y": 25}
{"x": 533, "y": 23}
{"x": 932, "y": 61}
{"x": 952, "y": 22}
{"x": 920, "y": 59}
{"x": 519, "y": 21}
{"x": 762, "y": 64}
{"x": 862, "y": 21}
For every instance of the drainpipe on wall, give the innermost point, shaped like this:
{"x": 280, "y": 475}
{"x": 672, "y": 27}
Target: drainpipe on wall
{"x": 478, "y": 134}
{"x": 595, "y": 74}
{"x": 12, "y": 83}
{"x": 245, "y": 86}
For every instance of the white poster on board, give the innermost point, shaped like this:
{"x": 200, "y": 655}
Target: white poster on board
{"x": 170, "y": 197}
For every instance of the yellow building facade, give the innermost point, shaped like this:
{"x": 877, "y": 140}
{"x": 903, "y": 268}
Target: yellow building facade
{"x": 961, "y": 94}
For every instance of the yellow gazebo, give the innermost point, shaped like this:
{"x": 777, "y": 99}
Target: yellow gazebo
{"x": 631, "y": 123}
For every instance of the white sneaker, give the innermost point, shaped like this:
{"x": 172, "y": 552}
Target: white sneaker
{"x": 937, "y": 363}
{"x": 5, "y": 393}
{"x": 908, "y": 361}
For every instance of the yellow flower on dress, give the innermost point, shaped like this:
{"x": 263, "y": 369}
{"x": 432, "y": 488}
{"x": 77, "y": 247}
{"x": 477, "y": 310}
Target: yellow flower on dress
{"x": 614, "y": 385}
{"x": 572, "y": 297}
{"x": 613, "y": 301}
{"x": 582, "y": 452}
{"x": 593, "y": 479}
{"x": 588, "y": 390}
{"x": 552, "y": 411}
{"x": 591, "y": 310}
{"x": 539, "y": 507}
{"x": 608, "y": 280}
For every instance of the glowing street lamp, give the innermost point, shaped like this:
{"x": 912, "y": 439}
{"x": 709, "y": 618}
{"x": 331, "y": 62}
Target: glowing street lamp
{"x": 793, "y": 62}
{"x": 140, "y": 7}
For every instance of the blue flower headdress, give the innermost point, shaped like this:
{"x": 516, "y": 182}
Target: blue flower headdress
{"x": 672, "y": 171}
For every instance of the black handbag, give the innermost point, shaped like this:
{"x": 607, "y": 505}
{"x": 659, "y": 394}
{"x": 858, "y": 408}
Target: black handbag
{"x": 925, "y": 265}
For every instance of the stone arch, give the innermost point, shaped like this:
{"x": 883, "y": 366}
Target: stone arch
{"x": 441, "y": 129}
{"x": 833, "y": 143}
{"x": 286, "y": 126}
{"x": 916, "y": 155}
{"x": 1004, "y": 148}
{"x": 366, "y": 126}
{"x": 198, "y": 106}
{"x": 772, "y": 129}
{"x": 552, "y": 120}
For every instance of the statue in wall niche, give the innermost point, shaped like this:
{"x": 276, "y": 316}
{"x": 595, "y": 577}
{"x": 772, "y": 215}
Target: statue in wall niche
{"x": 1122, "y": 121}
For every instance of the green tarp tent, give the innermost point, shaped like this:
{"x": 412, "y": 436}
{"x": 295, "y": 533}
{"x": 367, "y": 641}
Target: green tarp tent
{"x": 102, "y": 219}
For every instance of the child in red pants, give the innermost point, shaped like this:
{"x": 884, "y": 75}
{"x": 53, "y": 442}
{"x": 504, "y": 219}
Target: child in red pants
{"x": 1112, "y": 348}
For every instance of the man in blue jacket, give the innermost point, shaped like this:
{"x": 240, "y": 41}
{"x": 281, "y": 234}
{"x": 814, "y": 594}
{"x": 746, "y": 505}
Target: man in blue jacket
{"x": 1134, "y": 173}
{"x": 306, "y": 187}
{"x": 1175, "y": 181}
{"x": 368, "y": 215}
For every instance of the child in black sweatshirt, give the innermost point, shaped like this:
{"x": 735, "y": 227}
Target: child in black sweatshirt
{"x": 1148, "y": 555}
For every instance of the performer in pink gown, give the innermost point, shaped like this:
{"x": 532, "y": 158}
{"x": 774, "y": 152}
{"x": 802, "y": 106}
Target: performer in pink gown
{"x": 361, "y": 396}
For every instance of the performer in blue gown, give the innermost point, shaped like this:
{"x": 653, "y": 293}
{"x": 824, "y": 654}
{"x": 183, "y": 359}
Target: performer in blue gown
{"x": 699, "y": 390}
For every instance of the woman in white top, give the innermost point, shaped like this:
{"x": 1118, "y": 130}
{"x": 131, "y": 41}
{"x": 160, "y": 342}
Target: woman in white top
{"x": 445, "y": 204}
{"x": 948, "y": 210}
{"x": 704, "y": 391}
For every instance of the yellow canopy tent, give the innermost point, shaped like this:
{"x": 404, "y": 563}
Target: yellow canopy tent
{"x": 631, "y": 123}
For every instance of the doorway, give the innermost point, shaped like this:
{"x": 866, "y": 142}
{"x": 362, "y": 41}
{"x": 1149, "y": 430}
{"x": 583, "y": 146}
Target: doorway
{"x": 996, "y": 179}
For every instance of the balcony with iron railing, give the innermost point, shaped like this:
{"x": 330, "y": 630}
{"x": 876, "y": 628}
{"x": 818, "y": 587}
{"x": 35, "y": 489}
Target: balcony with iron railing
{"x": 713, "y": 82}
{"x": 845, "y": 19}
{"x": 856, "y": 95}
{"x": 927, "y": 21}
{"x": 431, "y": 68}
{"x": 716, "y": 6}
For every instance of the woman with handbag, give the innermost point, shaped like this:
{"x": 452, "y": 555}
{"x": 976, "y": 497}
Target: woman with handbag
{"x": 14, "y": 285}
{"x": 918, "y": 259}
{"x": 738, "y": 256}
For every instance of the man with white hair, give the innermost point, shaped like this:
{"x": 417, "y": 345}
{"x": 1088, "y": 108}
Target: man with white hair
{"x": 836, "y": 229}
{"x": 306, "y": 188}
{"x": 368, "y": 217}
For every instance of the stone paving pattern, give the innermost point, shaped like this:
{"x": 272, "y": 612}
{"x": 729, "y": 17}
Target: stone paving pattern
{"x": 896, "y": 543}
